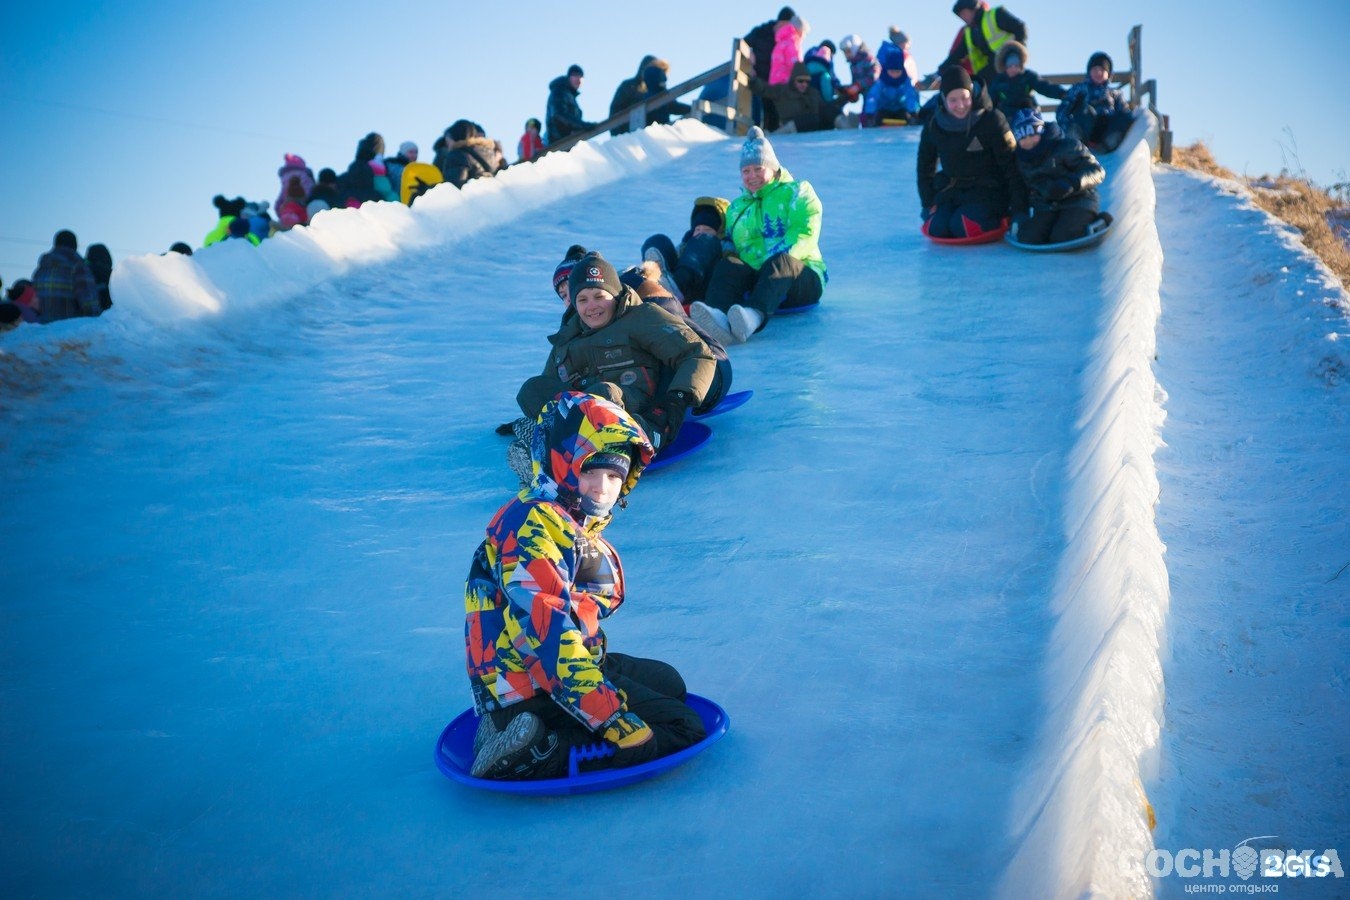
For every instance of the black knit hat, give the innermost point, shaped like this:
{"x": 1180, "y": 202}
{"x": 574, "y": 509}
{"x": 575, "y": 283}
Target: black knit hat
{"x": 575, "y": 69}
{"x": 593, "y": 271}
{"x": 705, "y": 214}
{"x": 65, "y": 239}
{"x": 953, "y": 78}
{"x": 616, "y": 462}
{"x": 964, "y": 4}
{"x": 1100, "y": 59}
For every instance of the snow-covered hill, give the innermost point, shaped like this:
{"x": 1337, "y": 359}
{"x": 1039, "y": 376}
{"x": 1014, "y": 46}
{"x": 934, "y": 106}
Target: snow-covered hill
{"x": 922, "y": 569}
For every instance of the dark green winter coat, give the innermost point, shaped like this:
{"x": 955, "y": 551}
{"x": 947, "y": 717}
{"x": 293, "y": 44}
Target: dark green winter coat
{"x": 641, "y": 354}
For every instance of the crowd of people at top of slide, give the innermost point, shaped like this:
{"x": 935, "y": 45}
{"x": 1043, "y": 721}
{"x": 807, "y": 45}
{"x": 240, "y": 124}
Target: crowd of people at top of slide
{"x": 1028, "y": 168}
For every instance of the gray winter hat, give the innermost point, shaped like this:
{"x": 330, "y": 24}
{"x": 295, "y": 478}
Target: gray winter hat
{"x": 757, "y": 151}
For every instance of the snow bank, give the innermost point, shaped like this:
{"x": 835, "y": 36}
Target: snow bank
{"x": 1082, "y": 819}
{"x": 165, "y": 288}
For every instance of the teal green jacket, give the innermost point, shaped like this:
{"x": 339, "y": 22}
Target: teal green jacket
{"x": 781, "y": 217}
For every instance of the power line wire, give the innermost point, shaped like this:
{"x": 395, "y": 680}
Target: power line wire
{"x": 158, "y": 119}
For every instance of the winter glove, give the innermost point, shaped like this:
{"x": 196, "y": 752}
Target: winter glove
{"x": 668, "y": 415}
{"x": 626, "y": 730}
{"x": 1059, "y": 189}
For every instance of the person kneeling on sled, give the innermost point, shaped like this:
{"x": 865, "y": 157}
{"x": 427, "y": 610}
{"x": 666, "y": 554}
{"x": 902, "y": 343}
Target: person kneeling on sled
{"x": 616, "y": 346}
{"x": 1061, "y": 176}
{"x": 550, "y": 698}
{"x": 979, "y": 180}
{"x": 775, "y": 227}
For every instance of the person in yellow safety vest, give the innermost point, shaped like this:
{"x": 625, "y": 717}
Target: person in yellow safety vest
{"x": 986, "y": 30}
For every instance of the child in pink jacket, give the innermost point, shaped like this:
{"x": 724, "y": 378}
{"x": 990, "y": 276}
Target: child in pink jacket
{"x": 787, "y": 49}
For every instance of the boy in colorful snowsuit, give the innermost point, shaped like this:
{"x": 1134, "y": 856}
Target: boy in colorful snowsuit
{"x": 775, "y": 227}
{"x": 552, "y": 700}
{"x": 1094, "y": 112}
{"x": 1061, "y": 177}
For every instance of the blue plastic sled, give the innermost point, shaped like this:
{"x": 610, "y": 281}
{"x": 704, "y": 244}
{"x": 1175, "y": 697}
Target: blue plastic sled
{"x": 454, "y": 757}
{"x": 987, "y": 237}
{"x": 731, "y": 401}
{"x": 793, "y": 310}
{"x": 693, "y": 435}
{"x": 1095, "y": 233}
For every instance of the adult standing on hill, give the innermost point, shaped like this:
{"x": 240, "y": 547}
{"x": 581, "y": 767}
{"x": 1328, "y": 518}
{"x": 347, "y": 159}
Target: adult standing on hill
{"x": 632, "y": 90}
{"x": 563, "y": 114}
{"x": 64, "y": 283}
{"x": 761, "y": 40}
{"x": 986, "y": 31}
{"x": 775, "y": 227}
{"x": 979, "y": 180}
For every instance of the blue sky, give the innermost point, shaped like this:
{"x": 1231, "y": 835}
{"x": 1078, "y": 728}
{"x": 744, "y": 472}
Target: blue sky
{"x": 121, "y": 121}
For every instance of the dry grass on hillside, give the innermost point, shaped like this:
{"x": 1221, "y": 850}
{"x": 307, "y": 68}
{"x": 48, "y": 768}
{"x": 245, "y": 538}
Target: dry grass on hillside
{"x": 1294, "y": 200}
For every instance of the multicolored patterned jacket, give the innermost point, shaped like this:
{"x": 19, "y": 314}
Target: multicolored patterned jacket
{"x": 544, "y": 577}
{"x": 781, "y": 217}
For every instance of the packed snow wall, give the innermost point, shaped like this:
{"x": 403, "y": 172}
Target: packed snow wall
{"x": 1083, "y": 817}
{"x": 158, "y": 289}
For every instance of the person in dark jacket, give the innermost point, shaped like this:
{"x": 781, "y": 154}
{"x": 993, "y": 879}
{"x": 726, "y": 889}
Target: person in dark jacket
{"x": 654, "y": 79}
{"x": 1061, "y": 177}
{"x": 978, "y": 185}
{"x": 468, "y": 154}
{"x": 986, "y": 31}
{"x": 1015, "y": 86}
{"x": 64, "y": 285}
{"x": 324, "y": 195}
{"x": 632, "y": 90}
{"x": 547, "y": 689}
{"x": 761, "y": 40}
{"x": 690, "y": 265}
{"x": 357, "y": 185}
{"x": 1093, "y": 111}
{"x": 634, "y": 353}
{"x": 563, "y": 114}
{"x": 799, "y": 105}
{"x": 100, "y": 266}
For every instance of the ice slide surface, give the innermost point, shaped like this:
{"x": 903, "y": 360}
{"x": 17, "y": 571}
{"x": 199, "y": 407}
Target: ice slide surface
{"x": 235, "y": 628}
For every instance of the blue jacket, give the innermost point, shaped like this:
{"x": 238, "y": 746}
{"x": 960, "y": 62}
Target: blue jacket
{"x": 886, "y": 99}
